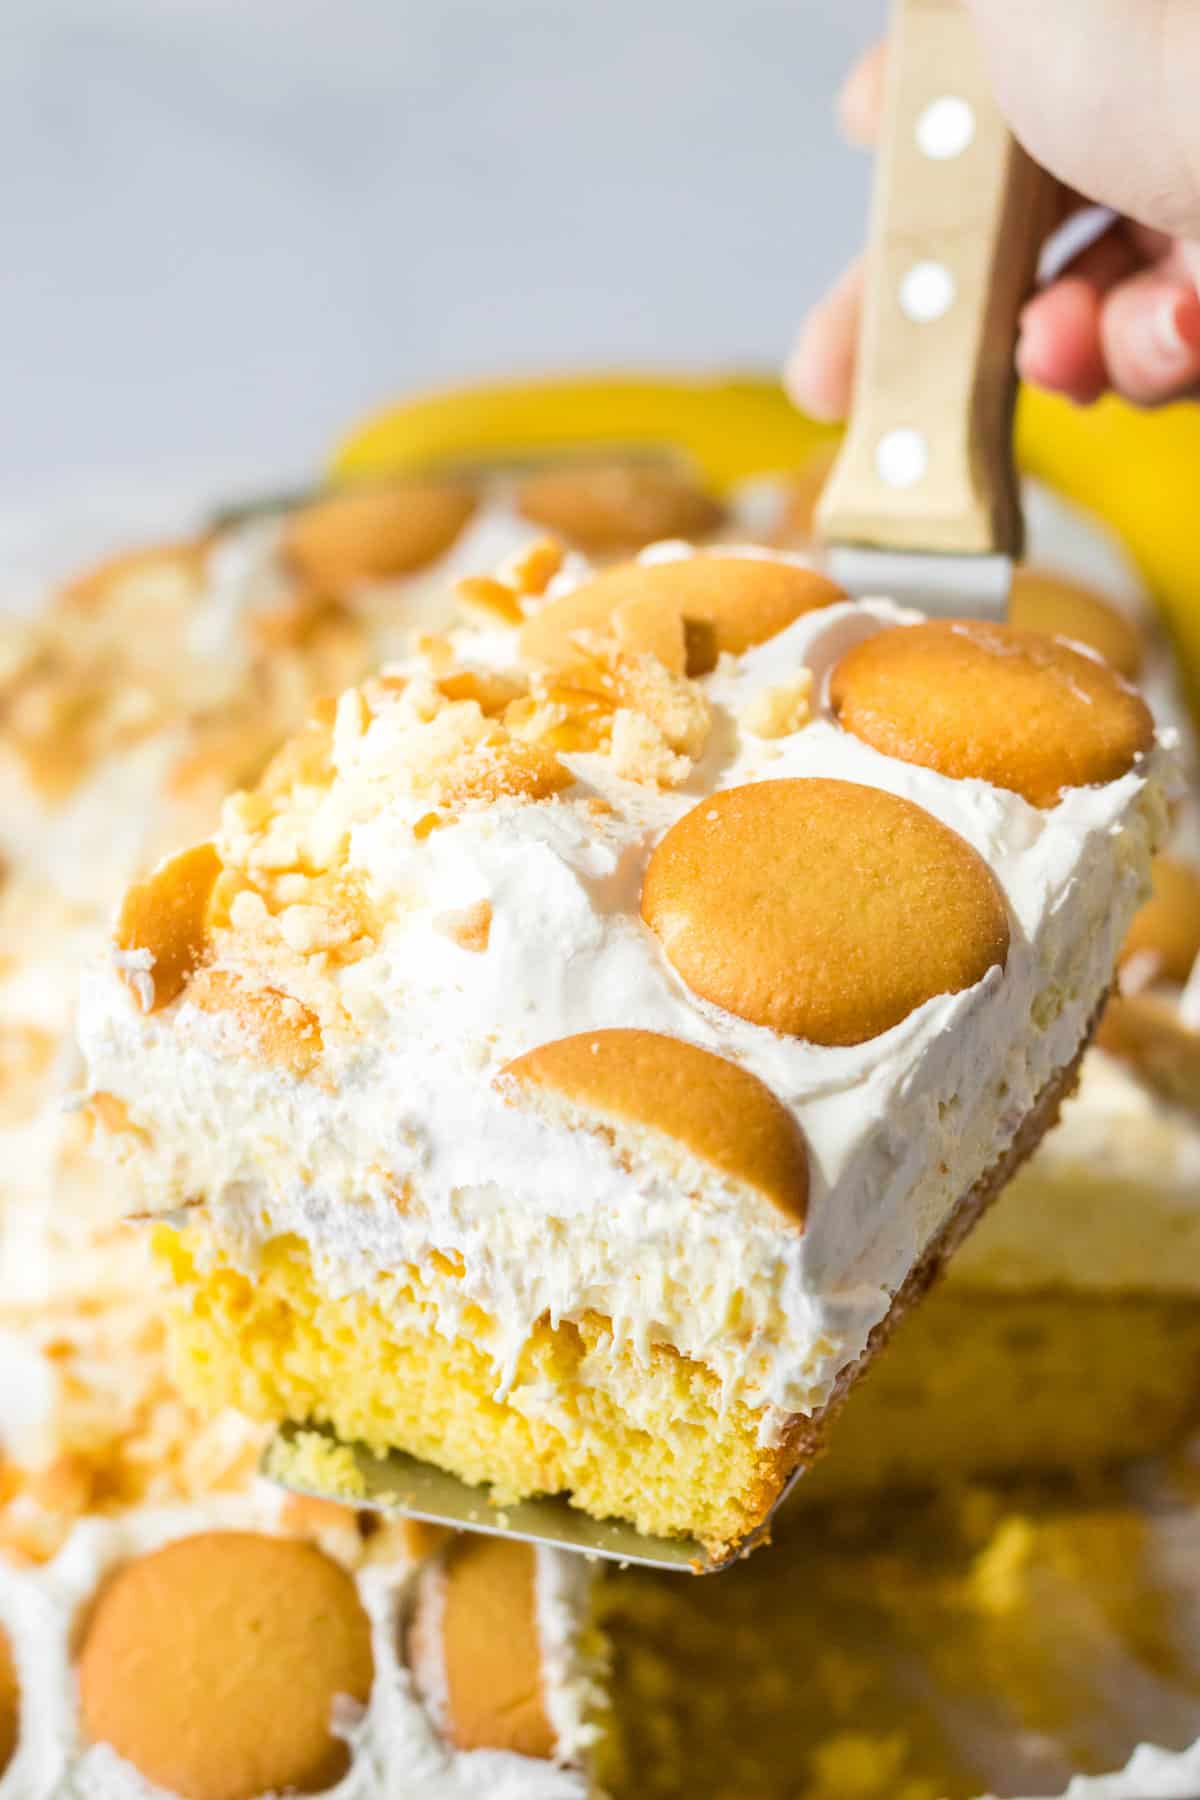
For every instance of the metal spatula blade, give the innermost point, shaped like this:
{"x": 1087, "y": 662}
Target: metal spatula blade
{"x": 401, "y": 1485}
{"x": 973, "y": 587}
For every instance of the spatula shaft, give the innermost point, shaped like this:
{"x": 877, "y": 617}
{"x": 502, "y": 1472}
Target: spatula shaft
{"x": 958, "y": 216}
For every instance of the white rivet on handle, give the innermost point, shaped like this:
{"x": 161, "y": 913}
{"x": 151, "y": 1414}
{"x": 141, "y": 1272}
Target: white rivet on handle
{"x": 901, "y": 457}
{"x": 927, "y": 292}
{"x": 946, "y": 127}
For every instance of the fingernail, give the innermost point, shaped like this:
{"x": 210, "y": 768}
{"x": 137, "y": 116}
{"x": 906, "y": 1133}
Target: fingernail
{"x": 1173, "y": 336}
{"x": 1033, "y": 371}
{"x": 1187, "y": 320}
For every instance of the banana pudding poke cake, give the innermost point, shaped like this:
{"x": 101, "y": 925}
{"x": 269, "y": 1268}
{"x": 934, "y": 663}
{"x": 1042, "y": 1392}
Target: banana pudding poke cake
{"x": 591, "y": 1035}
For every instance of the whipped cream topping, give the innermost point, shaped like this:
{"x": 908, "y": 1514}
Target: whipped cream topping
{"x": 898, "y": 1128}
{"x": 54, "y": 1198}
{"x": 1189, "y": 999}
{"x": 198, "y": 657}
{"x": 573, "y": 1690}
{"x": 102, "y": 832}
{"x": 395, "y": 1749}
{"x": 90, "y": 840}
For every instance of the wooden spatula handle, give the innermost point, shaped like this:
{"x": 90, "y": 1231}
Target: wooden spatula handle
{"x": 958, "y": 215}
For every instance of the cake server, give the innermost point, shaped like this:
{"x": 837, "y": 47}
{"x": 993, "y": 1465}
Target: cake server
{"x": 923, "y": 503}
{"x": 402, "y": 1485}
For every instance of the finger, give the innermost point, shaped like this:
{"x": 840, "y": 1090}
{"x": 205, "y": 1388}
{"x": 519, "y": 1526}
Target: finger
{"x": 1105, "y": 260}
{"x": 860, "y": 103}
{"x": 820, "y": 370}
{"x": 1150, "y": 333}
{"x": 1155, "y": 246}
{"x": 1059, "y": 346}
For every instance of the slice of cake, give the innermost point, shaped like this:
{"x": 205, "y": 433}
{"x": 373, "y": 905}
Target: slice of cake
{"x": 567, "y": 1066}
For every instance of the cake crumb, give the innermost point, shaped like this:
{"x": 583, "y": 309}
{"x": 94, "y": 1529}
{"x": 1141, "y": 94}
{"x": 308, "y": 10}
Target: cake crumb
{"x": 311, "y": 1461}
{"x": 532, "y": 570}
{"x": 640, "y": 752}
{"x": 469, "y": 927}
{"x": 777, "y": 711}
{"x": 494, "y": 600}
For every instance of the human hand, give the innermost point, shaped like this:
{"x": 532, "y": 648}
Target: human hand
{"x": 1102, "y": 93}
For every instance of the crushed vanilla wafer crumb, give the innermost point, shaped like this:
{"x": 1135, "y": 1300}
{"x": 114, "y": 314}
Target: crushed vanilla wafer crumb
{"x": 532, "y": 569}
{"x": 495, "y": 601}
{"x": 777, "y": 711}
{"x": 640, "y": 752}
{"x": 470, "y": 927}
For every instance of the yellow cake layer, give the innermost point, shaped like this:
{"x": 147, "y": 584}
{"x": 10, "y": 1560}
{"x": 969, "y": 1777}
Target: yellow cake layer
{"x": 979, "y": 1383}
{"x": 643, "y": 1440}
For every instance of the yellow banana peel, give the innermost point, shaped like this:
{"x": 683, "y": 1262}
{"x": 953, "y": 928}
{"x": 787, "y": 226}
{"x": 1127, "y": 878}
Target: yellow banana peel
{"x": 1138, "y": 471}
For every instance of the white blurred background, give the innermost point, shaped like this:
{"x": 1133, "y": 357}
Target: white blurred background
{"x": 230, "y": 225}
